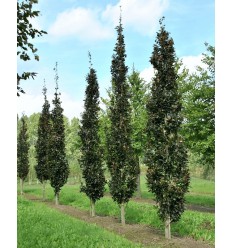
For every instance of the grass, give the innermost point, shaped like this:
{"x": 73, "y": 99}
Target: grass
{"x": 41, "y": 226}
{"x": 201, "y": 192}
{"x": 200, "y": 226}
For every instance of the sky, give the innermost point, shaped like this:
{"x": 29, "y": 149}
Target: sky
{"x": 77, "y": 26}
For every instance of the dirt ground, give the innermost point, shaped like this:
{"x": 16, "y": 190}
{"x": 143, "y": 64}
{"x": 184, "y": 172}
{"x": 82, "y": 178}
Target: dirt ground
{"x": 138, "y": 233}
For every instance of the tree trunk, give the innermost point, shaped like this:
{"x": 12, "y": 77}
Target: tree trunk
{"x": 92, "y": 208}
{"x": 168, "y": 228}
{"x": 138, "y": 192}
{"x": 44, "y": 190}
{"x": 123, "y": 214}
{"x": 57, "y": 198}
{"x": 21, "y": 186}
{"x": 29, "y": 178}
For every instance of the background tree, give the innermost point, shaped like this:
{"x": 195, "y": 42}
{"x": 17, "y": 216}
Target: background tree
{"x": 166, "y": 157}
{"x": 121, "y": 160}
{"x": 73, "y": 145}
{"x": 32, "y": 130}
{"x": 138, "y": 91}
{"x": 26, "y": 32}
{"x": 91, "y": 156}
{"x": 22, "y": 153}
{"x": 42, "y": 145}
{"x": 199, "y": 111}
{"x": 57, "y": 157}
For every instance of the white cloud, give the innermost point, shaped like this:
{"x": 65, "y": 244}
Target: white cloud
{"x": 30, "y": 104}
{"x": 140, "y": 15}
{"x": 82, "y": 23}
{"x": 147, "y": 73}
{"x": 190, "y": 62}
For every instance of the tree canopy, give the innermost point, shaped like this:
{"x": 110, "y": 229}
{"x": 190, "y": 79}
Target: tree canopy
{"x": 166, "y": 156}
{"x": 26, "y": 32}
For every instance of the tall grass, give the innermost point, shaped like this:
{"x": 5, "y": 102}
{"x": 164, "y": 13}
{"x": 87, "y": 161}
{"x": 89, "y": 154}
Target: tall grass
{"x": 40, "y": 226}
{"x": 192, "y": 224}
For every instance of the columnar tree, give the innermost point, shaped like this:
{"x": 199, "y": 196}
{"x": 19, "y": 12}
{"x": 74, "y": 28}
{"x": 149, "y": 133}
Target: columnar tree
{"x": 22, "y": 153}
{"x": 91, "y": 155}
{"x": 138, "y": 91}
{"x": 166, "y": 156}
{"x": 57, "y": 157}
{"x": 42, "y": 145}
{"x": 121, "y": 159}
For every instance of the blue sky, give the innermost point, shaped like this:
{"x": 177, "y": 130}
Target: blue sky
{"x": 77, "y": 26}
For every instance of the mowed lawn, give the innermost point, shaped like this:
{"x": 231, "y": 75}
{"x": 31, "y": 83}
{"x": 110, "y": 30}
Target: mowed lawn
{"x": 39, "y": 226}
{"x": 200, "y": 226}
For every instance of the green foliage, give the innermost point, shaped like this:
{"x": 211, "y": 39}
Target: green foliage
{"x": 166, "y": 156}
{"x": 199, "y": 110}
{"x": 121, "y": 159}
{"x": 57, "y": 157}
{"x": 138, "y": 92}
{"x": 42, "y": 145}
{"x": 26, "y": 32}
{"x": 22, "y": 150}
{"x": 50, "y": 228}
{"x": 72, "y": 145}
{"x": 91, "y": 155}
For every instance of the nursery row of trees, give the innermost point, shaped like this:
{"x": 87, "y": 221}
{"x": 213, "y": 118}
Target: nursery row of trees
{"x": 140, "y": 122}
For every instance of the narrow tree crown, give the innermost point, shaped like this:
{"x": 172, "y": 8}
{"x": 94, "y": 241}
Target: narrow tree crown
{"x": 166, "y": 156}
{"x": 57, "y": 156}
{"x": 91, "y": 159}
{"x": 42, "y": 146}
{"x": 121, "y": 161}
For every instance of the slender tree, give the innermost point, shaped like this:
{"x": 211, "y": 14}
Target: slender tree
{"x": 22, "y": 153}
{"x": 57, "y": 157}
{"x": 166, "y": 156}
{"x": 121, "y": 159}
{"x": 42, "y": 145}
{"x": 138, "y": 91}
{"x": 91, "y": 159}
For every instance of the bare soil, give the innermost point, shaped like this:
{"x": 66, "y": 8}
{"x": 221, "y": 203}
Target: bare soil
{"x": 138, "y": 233}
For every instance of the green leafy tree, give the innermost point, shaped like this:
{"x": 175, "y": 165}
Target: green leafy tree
{"x": 32, "y": 125}
{"x": 57, "y": 157}
{"x": 91, "y": 156}
{"x": 42, "y": 145}
{"x": 138, "y": 90}
{"x": 166, "y": 157}
{"x": 121, "y": 159}
{"x": 199, "y": 110}
{"x": 22, "y": 153}
{"x": 73, "y": 146}
{"x": 25, "y": 33}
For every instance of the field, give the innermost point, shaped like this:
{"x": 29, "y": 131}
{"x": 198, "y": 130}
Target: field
{"x": 140, "y": 213}
{"x": 49, "y": 228}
